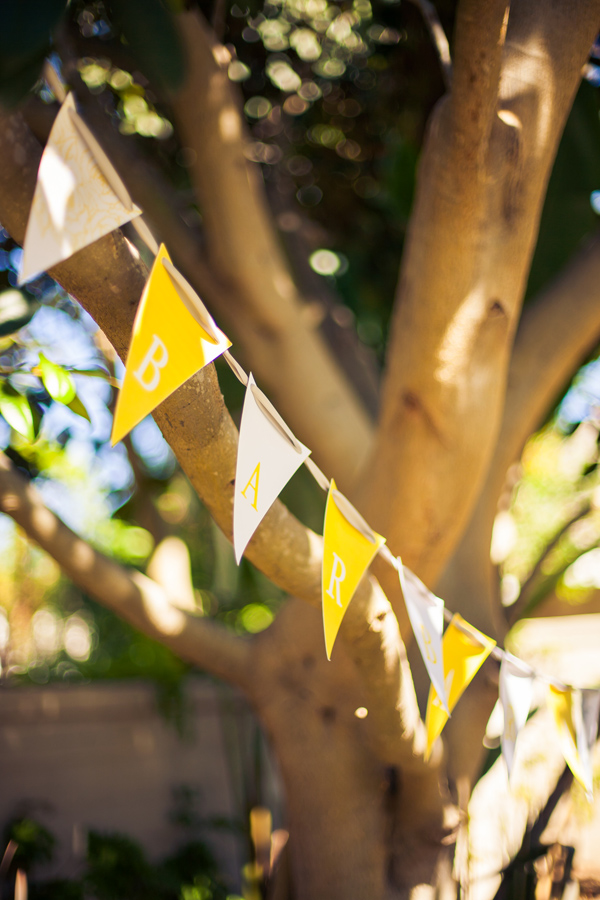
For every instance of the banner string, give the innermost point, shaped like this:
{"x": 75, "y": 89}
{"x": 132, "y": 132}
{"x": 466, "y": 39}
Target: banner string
{"x": 386, "y": 554}
{"x": 59, "y": 89}
{"x": 384, "y": 551}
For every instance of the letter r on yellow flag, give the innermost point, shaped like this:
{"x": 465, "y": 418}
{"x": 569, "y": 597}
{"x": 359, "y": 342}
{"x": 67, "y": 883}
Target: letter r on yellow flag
{"x": 464, "y": 651}
{"x": 347, "y": 553}
{"x": 168, "y": 346}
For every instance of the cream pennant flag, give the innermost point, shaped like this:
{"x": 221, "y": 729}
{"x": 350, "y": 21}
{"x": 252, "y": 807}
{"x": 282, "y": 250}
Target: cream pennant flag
{"x": 465, "y": 649}
{"x": 590, "y": 713}
{"x": 566, "y": 707}
{"x": 168, "y": 344}
{"x": 268, "y": 455}
{"x": 426, "y": 614}
{"x": 516, "y": 689}
{"x": 587, "y": 734}
{"x": 349, "y": 546}
{"x": 73, "y": 204}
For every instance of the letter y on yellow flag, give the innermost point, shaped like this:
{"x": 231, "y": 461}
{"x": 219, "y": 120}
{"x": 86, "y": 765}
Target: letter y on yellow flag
{"x": 349, "y": 548}
{"x": 168, "y": 346}
{"x": 464, "y": 651}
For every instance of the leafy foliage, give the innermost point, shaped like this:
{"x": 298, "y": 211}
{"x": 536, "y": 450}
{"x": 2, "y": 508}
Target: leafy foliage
{"x": 116, "y": 868}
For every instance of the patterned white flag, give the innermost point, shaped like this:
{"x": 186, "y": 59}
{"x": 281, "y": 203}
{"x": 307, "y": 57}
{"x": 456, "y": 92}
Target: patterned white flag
{"x": 516, "y": 688}
{"x": 268, "y": 456}
{"x": 426, "y": 614}
{"x": 73, "y": 204}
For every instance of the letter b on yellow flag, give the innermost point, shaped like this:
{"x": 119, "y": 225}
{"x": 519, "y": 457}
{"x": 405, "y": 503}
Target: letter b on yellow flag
{"x": 167, "y": 347}
{"x": 347, "y": 553}
{"x": 464, "y": 650}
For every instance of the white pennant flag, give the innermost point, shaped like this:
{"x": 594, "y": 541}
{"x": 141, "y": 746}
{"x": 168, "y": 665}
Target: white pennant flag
{"x": 516, "y": 688}
{"x": 73, "y": 204}
{"x": 587, "y": 709}
{"x": 426, "y": 614}
{"x": 268, "y": 455}
{"x": 590, "y": 713}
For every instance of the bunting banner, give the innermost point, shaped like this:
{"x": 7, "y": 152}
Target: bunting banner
{"x": 516, "y": 691}
{"x": 426, "y": 614}
{"x": 79, "y": 197}
{"x": 465, "y": 649}
{"x": 268, "y": 455}
{"x": 73, "y": 204}
{"x": 349, "y": 546}
{"x": 168, "y": 345}
{"x": 566, "y": 707}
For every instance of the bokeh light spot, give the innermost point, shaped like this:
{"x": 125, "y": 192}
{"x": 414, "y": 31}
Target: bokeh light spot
{"x": 324, "y": 262}
{"x": 257, "y": 107}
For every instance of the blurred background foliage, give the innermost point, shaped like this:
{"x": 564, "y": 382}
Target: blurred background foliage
{"x": 336, "y": 97}
{"x": 113, "y": 867}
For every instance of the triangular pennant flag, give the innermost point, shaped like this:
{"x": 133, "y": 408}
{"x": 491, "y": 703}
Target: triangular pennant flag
{"x": 590, "y": 713}
{"x": 516, "y": 688}
{"x": 268, "y": 455}
{"x": 426, "y": 614}
{"x": 349, "y": 546}
{"x": 586, "y": 728}
{"x": 73, "y": 204}
{"x": 465, "y": 650}
{"x": 566, "y": 707}
{"x": 168, "y": 346}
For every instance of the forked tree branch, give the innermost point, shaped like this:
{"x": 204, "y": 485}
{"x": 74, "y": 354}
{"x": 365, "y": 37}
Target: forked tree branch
{"x": 266, "y": 315}
{"x": 136, "y": 598}
{"x": 558, "y": 330}
{"x": 481, "y": 186}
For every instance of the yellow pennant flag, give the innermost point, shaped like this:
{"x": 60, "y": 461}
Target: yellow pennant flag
{"x": 563, "y": 710}
{"x": 349, "y": 548}
{"x": 464, "y": 650}
{"x": 168, "y": 345}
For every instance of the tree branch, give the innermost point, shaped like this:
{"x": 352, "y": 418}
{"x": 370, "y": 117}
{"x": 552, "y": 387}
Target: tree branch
{"x": 480, "y": 191}
{"x": 267, "y": 316}
{"x": 438, "y": 36}
{"x": 558, "y": 330}
{"x": 108, "y": 281}
{"x": 136, "y": 598}
{"x": 528, "y": 588}
{"x": 480, "y": 32}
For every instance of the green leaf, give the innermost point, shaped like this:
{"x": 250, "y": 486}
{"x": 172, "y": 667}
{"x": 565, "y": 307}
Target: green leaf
{"x": 17, "y": 412}
{"x": 77, "y": 406}
{"x": 93, "y": 373}
{"x": 16, "y": 310}
{"x": 149, "y": 29}
{"x": 57, "y": 381}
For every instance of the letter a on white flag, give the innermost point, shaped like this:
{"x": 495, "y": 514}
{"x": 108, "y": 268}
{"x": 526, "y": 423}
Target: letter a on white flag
{"x": 426, "y": 614}
{"x": 516, "y": 687}
{"x": 268, "y": 456}
{"x": 73, "y": 204}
